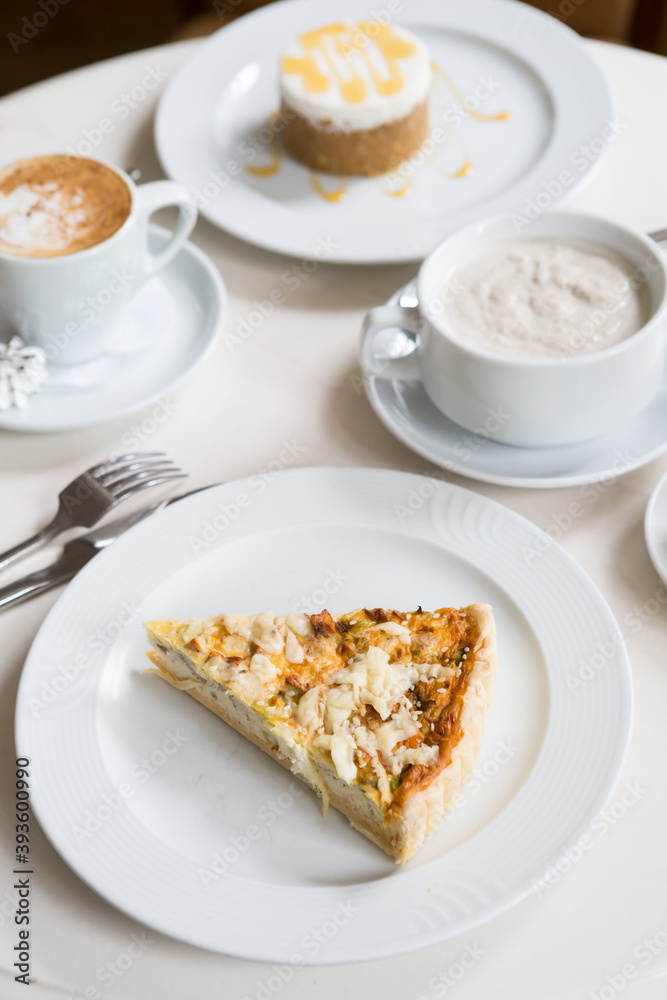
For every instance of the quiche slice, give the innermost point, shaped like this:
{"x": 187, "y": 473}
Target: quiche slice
{"x": 381, "y": 712}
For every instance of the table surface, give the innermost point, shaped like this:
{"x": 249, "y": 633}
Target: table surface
{"x": 296, "y": 371}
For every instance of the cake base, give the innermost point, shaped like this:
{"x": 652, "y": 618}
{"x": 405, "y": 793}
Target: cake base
{"x": 360, "y": 153}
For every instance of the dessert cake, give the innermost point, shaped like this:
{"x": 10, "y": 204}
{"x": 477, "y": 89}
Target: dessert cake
{"x": 355, "y": 98}
{"x": 381, "y": 712}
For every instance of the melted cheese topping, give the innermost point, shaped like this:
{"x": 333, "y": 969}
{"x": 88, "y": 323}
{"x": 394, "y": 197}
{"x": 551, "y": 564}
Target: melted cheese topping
{"x": 301, "y": 624}
{"x": 369, "y": 690}
{"x": 264, "y": 668}
{"x": 237, "y": 624}
{"x": 266, "y": 633}
{"x": 309, "y": 710}
{"x": 293, "y": 650}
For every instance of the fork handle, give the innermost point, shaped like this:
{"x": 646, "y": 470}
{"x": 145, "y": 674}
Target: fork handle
{"x": 23, "y": 548}
{"x": 35, "y": 583}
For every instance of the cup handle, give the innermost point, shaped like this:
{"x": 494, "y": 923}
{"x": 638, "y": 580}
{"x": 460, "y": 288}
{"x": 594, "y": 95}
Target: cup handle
{"x": 377, "y": 365}
{"x": 162, "y": 194}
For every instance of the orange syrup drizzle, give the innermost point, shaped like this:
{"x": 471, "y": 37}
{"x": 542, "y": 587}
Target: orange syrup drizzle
{"x": 393, "y": 186}
{"x": 500, "y": 116}
{"x": 271, "y": 168}
{"x": 337, "y": 37}
{"x": 336, "y": 195}
{"x": 463, "y": 171}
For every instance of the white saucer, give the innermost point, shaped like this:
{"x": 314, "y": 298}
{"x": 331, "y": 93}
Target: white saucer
{"x": 217, "y": 104}
{"x": 168, "y": 329}
{"x": 406, "y": 410}
{"x": 655, "y": 528}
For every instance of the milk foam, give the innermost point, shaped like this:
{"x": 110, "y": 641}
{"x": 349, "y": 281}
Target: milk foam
{"x": 51, "y": 206}
{"x": 41, "y": 217}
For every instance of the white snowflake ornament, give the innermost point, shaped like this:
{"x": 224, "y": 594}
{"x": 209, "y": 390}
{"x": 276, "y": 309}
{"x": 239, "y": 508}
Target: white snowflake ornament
{"x": 22, "y": 371}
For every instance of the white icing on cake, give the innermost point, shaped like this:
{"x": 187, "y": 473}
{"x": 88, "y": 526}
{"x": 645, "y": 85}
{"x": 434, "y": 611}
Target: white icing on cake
{"x": 338, "y": 74}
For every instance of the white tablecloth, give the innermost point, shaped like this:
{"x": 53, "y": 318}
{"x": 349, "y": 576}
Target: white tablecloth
{"x": 291, "y": 382}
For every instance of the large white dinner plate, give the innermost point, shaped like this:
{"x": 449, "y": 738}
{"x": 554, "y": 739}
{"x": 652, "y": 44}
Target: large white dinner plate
{"x": 176, "y": 819}
{"x": 531, "y": 64}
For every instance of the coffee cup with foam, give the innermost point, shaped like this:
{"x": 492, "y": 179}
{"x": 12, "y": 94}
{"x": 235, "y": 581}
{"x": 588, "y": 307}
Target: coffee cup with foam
{"x": 74, "y": 250}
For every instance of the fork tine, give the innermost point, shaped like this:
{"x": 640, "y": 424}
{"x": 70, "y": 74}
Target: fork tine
{"x": 110, "y": 479}
{"x": 122, "y": 483}
{"x": 146, "y": 483}
{"x": 110, "y": 464}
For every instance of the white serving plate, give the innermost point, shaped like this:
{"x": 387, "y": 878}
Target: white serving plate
{"x": 141, "y": 789}
{"x": 534, "y": 67}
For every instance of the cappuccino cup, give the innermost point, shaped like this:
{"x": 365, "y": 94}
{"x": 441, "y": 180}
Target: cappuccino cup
{"x": 74, "y": 250}
{"x": 543, "y": 402}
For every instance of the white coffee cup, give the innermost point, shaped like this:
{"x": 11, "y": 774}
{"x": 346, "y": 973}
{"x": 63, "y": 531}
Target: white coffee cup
{"x": 527, "y": 401}
{"x": 69, "y": 305}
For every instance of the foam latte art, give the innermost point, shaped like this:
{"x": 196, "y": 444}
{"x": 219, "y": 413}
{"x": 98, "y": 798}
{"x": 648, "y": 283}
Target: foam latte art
{"x": 56, "y": 205}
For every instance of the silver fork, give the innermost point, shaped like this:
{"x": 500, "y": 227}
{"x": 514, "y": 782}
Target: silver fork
{"x": 80, "y": 551}
{"x": 98, "y": 490}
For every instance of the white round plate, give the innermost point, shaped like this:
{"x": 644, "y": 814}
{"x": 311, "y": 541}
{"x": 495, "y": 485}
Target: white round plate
{"x": 168, "y": 329}
{"x": 655, "y": 528}
{"x": 188, "y": 827}
{"x": 405, "y": 409}
{"x": 209, "y": 122}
